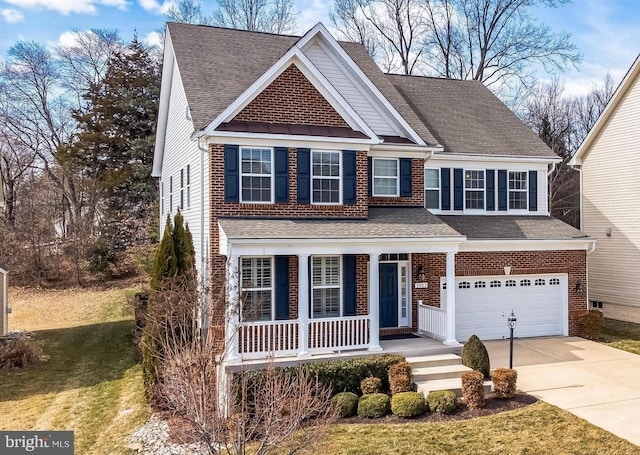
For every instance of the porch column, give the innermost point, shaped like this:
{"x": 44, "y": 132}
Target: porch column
{"x": 374, "y": 307}
{"x": 303, "y": 305}
{"x": 451, "y": 300}
{"x": 232, "y": 315}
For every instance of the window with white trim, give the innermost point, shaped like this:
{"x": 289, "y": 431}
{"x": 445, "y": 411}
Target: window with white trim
{"x": 474, "y": 189}
{"x": 596, "y": 304}
{"x": 325, "y": 289}
{"x": 181, "y": 207}
{"x": 257, "y": 288}
{"x": 188, "y": 186}
{"x": 517, "y": 190}
{"x": 256, "y": 171}
{"x": 432, "y": 189}
{"x": 171, "y": 194}
{"x": 325, "y": 177}
{"x": 385, "y": 177}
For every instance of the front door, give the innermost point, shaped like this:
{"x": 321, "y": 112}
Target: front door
{"x": 388, "y": 295}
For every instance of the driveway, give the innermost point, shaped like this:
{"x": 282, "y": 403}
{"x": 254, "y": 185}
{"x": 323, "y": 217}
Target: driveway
{"x": 591, "y": 380}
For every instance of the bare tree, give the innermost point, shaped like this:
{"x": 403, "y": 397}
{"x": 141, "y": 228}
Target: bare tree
{"x": 188, "y": 12}
{"x": 271, "y": 16}
{"x": 15, "y": 161}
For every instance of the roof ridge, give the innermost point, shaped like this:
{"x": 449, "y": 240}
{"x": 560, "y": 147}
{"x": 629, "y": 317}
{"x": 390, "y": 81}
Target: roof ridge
{"x": 255, "y": 32}
{"x": 438, "y": 78}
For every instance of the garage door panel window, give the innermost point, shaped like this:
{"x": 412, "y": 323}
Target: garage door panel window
{"x": 510, "y": 283}
{"x": 462, "y": 285}
{"x": 554, "y": 281}
{"x": 540, "y": 282}
{"x": 495, "y": 284}
{"x": 525, "y": 282}
{"x": 480, "y": 284}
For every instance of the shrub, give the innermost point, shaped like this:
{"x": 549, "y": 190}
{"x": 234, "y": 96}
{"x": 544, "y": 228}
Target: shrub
{"x": 371, "y": 385}
{"x": 400, "y": 368}
{"x": 20, "y": 352}
{"x": 590, "y": 324}
{"x": 400, "y": 383}
{"x": 504, "y": 382}
{"x": 475, "y": 356}
{"x": 408, "y": 404}
{"x": 473, "y": 389}
{"x": 346, "y": 403}
{"x": 442, "y": 401}
{"x": 374, "y": 406}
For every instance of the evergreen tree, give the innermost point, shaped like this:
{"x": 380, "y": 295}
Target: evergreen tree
{"x": 165, "y": 263}
{"x": 190, "y": 252}
{"x": 180, "y": 243}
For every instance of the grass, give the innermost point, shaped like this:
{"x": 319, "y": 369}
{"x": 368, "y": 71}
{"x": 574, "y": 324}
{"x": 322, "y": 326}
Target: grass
{"x": 91, "y": 384}
{"x": 622, "y": 335}
{"x": 537, "y": 429}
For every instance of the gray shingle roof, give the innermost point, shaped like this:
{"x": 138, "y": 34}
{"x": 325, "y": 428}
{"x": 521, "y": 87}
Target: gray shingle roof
{"x": 512, "y": 227}
{"x": 398, "y": 222}
{"x": 217, "y": 65}
{"x": 467, "y": 118}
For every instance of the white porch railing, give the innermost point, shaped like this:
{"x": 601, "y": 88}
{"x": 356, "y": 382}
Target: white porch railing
{"x": 281, "y": 338}
{"x": 258, "y": 339}
{"x": 432, "y": 321}
{"x": 339, "y": 333}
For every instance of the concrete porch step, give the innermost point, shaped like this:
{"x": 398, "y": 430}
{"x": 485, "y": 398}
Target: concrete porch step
{"x": 452, "y": 384}
{"x": 424, "y": 374}
{"x": 428, "y": 361}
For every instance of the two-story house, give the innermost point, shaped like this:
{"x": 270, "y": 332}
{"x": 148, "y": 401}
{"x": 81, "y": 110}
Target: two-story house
{"x": 338, "y": 203}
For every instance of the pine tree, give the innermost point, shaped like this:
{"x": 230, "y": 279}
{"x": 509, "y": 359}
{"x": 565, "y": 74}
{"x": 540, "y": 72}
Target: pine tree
{"x": 165, "y": 263}
{"x": 190, "y": 252}
{"x": 180, "y": 243}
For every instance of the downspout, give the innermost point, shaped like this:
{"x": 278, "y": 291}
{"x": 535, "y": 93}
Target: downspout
{"x": 203, "y": 262}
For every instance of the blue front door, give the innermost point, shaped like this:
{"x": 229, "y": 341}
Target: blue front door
{"x": 388, "y": 295}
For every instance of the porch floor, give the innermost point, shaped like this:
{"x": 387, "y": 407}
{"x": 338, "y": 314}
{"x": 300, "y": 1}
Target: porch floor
{"x": 409, "y": 347}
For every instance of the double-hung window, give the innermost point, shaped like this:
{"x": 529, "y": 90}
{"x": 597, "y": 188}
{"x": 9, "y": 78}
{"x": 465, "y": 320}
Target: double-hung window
{"x": 256, "y": 170}
{"x": 474, "y": 189}
{"x": 171, "y": 194}
{"x": 432, "y": 188}
{"x": 257, "y": 288}
{"x": 181, "y": 189}
{"x": 188, "y": 186}
{"x": 517, "y": 190}
{"x": 385, "y": 177}
{"x": 325, "y": 177}
{"x": 325, "y": 273}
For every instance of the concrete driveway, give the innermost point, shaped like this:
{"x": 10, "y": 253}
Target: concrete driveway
{"x": 591, "y": 380}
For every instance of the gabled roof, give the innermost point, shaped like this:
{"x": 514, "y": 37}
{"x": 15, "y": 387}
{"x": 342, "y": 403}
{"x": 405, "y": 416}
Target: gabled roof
{"x": 621, "y": 91}
{"x": 468, "y": 118}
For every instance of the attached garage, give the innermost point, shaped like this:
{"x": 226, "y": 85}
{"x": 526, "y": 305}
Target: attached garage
{"x": 483, "y": 304}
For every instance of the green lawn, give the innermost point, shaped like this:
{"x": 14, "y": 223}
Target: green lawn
{"x": 91, "y": 384}
{"x": 536, "y": 430}
{"x": 622, "y": 335}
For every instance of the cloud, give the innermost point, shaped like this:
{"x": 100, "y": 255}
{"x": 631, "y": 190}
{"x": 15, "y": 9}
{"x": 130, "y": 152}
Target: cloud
{"x": 68, "y": 6}
{"x": 153, "y": 6}
{"x": 11, "y": 16}
{"x": 310, "y": 12}
{"x": 153, "y": 39}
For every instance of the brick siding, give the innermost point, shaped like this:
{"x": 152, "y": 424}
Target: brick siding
{"x": 293, "y": 100}
{"x": 417, "y": 190}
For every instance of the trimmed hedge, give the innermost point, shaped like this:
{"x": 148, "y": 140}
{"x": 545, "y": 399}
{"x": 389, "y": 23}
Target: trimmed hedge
{"x": 400, "y": 383}
{"x": 504, "y": 382}
{"x": 473, "y": 389}
{"x": 400, "y": 368}
{"x": 374, "y": 406}
{"x": 442, "y": 401}
{"x": 408, "y": 404}
{"x": 371, "y": 385}
{"x": 346, "y": 403}
{"x": 475, "y": 356}
{"x": 590, "y": 324}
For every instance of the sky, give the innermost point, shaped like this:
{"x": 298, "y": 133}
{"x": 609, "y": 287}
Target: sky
{"x": 605, "y": 31}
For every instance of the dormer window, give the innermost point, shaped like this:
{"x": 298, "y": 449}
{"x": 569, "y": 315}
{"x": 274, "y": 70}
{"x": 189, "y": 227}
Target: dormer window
{"x": 474, "y": 189}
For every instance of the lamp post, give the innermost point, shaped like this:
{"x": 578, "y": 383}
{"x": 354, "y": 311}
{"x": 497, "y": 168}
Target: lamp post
{"x": 511, "y": 320}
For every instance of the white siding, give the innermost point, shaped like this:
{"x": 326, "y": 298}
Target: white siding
{"x": 611, "y": 200}
{"x": 354, "y": 93}
{"x": 515, "y": 165}
{"x": 181, "y": 151}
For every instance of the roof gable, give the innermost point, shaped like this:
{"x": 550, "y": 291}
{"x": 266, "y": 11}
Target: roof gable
{"x": 627, "y": 83}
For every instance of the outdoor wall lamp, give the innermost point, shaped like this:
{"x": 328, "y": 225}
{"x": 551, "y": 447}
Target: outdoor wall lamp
{"x": 421, "y": 274}
{"x": 511, "y": 320}
{"x": 579, "y": 286}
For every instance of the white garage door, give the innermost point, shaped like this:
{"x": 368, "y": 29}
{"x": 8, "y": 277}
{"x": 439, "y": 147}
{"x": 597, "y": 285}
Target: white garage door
{"x": 483, "y": 305}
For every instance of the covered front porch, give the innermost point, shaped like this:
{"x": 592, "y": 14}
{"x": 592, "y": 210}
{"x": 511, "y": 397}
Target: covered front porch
{"x": 332, "y": 287}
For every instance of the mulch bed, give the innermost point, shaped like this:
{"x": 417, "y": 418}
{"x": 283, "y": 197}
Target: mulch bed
{"x": 493, "y": 405}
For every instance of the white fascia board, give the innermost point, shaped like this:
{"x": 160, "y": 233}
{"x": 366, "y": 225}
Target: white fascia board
{"x": 401, "y": 151}
{"x": 264, "y": 139}
{"x": 448, "y": 156}
{"x": 525, "y": 245}
{"x": 295, "y": 56}
{"x": 620, "y": 92}
{"x": 269, "y": 247}
{"x": 330, "y": 40}
{"x": 163, "y": 111}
